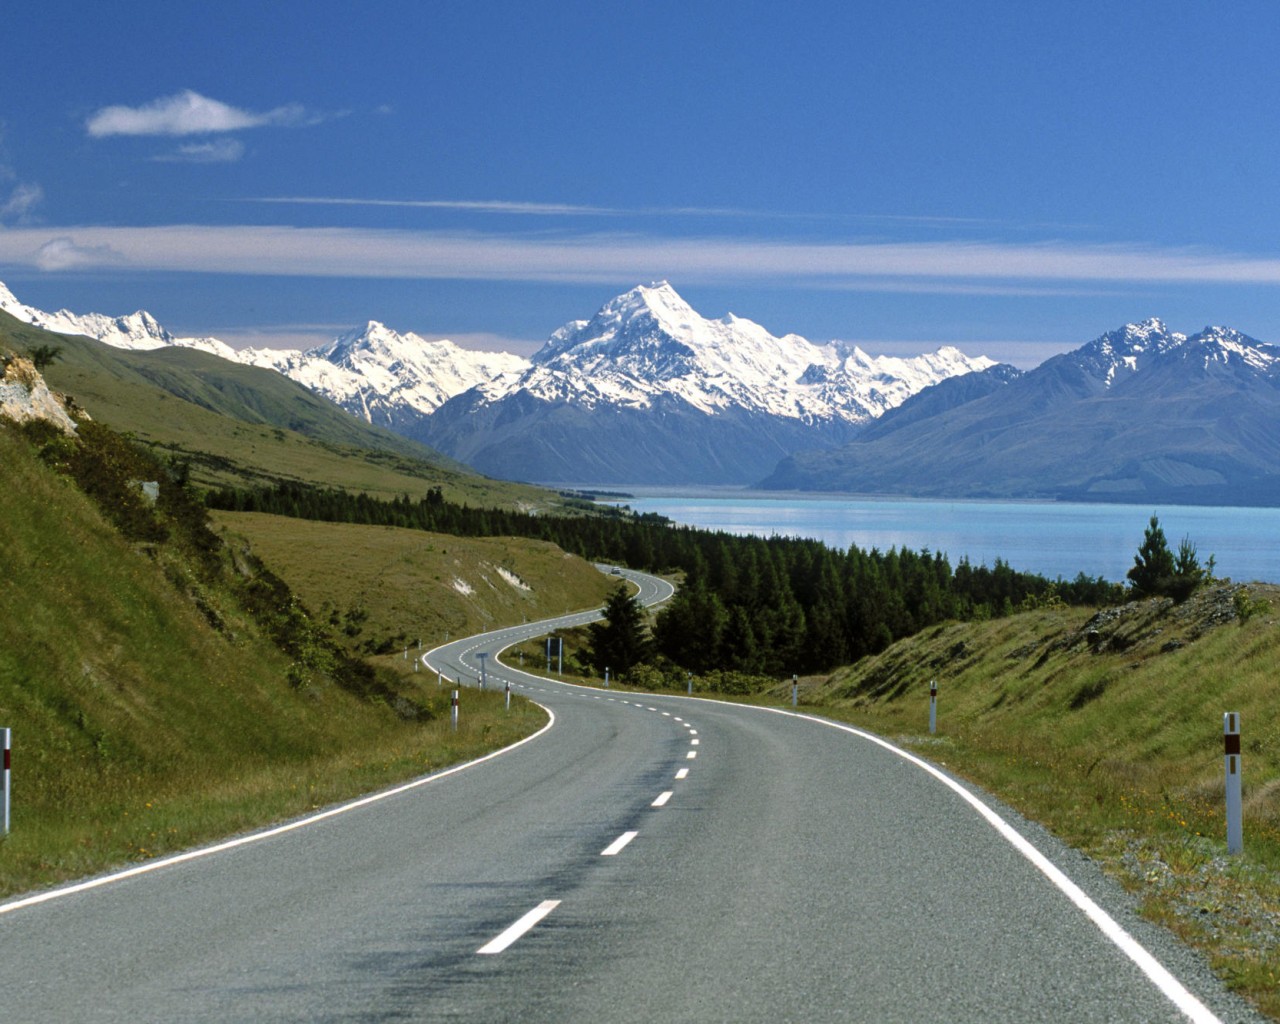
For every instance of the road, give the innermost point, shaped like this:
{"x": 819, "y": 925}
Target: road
{"x": 642, "y": 859}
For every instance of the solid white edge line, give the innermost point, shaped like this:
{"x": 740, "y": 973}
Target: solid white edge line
{"x": 1156, "y": 972}
{"x": 501, "y": 942}
{"x": 615, "y": 847}
{"x": 257, "y": 837}
{"x": 663, "y": 798}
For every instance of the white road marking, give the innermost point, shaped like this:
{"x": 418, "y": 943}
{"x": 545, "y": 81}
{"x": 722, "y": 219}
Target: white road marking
{"x": 615, "y": 847}
{"x": 501, "y": 942}
{"x": 1156, "y": 972}
{"x": 662, "y": 799}
{"x": 257, "y": 837}
{"x": 691, "y": 755}
{"x": 683, "y": 773}
{"x": 694, "y": 743}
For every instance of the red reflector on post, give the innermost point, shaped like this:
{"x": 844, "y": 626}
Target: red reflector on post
{"x": 1231, "y": 741}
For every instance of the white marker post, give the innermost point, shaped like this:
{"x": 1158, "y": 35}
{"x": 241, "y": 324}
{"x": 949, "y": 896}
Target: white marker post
{"x": 560, "y": 657}
{"x": 453, "y": 711}
{"x": 795, "y": 687}
{"x": 549, "y": 639}
{"x": 415, "y": 663}
{"x": 5, "y": 736}
{"x": 606, "y": 677}
{"x": 508, "y": 694}
{"x": 933, "y": 706}
{"x": 484, "y": 669}
{"x": 690, "y": 676}
{"x": 438, "y": 682}
{"x": 1232, "y": 767}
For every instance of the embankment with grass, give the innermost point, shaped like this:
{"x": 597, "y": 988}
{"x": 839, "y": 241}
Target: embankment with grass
{"x": 1107, "y": 728}
{"x": 165, "y": 692}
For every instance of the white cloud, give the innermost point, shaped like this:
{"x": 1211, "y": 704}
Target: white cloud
{"x": 22, "y": 200}
{"x": 217, "y": 151}
{"x": 188, "y": 113}
{"x": 64, "y": 253}
{"x": 615, "y": 258}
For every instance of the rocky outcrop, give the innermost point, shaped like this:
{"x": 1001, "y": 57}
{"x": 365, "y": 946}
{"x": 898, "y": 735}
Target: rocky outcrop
{"x": 24, "y": 396}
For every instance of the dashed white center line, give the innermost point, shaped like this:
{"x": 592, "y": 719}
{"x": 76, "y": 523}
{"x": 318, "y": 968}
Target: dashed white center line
{"x": 693, "y": 732}
{"x": 501, "y": 942}
{"x": 694, "y": 743}
{"x": 615, "y": 847}
{"x": 683, "y": 773}
{"x": 691, "y": 755}
{"x": 663, "y": 798}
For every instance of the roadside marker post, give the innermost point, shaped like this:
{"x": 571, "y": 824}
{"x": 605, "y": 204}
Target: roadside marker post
{"x": 560, "y": 656}
{"x": 484, "y": 669}
{"x": 5, "y": 736}
{"x": 795, "y": 689}
{"x": 690, "y": 676}
{"x": 1232, "y": 768}
{"x": 933, "y": 706}
{"x": 606, "y": 677}
{"x": 508, "y": 694}
{"x": 453, "y": 711}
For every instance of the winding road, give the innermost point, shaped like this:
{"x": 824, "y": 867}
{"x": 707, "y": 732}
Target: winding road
{"x": 642, "y": 858}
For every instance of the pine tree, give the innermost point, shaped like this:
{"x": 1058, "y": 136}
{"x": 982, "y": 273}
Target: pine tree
{"x": 1153, "y": 567}
{"x": 620, "y": 642}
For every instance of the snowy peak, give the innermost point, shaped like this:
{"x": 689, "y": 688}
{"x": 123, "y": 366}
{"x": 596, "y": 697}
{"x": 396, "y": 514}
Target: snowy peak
{"x": 649, "y": 343}
{"x": 1228, "y": 347}
{"x": 373, "y": 372}
{"x": 138, "y": 331}
{"x": 1139, "y": 347}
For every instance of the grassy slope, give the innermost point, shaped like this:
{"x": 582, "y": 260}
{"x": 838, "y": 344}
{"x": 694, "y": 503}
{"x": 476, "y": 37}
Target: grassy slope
{"x": 139, "y": 729}
{"x": 1110, "y": 732}
{"x": 240, "y": 424}
{"x": 414, "y": 584}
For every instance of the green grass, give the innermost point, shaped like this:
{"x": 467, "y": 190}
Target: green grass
{"x": 407, "y": 585}
{"x": 1110, "y": 733}
{"x": 139, "y": 728}
{"x": 238, "y": 425}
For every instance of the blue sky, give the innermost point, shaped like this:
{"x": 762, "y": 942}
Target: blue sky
{"x": 1011, "y": 178}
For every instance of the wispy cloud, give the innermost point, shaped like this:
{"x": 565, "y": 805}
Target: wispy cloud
{"x": 23, "y": 199}
{"x": 189, "y": 113}
{"x": 618, "y": 258}
{"x": 521, "y": 208}
{"x": 216, "y": 151}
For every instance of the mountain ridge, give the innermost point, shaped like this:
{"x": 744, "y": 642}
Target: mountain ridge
{"x": 1141, "y": 413}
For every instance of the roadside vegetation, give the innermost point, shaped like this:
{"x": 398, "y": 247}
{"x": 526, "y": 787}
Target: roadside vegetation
{"x": 165, "y": 688}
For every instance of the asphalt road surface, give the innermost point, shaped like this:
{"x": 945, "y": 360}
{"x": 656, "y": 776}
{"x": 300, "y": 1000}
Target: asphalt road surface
{"x": 641, "y": 859}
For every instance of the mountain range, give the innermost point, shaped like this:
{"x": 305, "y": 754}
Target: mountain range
{"x": 646, "y": 391}
{"x": 1141, "y": 414}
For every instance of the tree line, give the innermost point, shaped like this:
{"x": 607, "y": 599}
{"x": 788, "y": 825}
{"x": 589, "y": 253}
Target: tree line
{"x": 766, "y": 606}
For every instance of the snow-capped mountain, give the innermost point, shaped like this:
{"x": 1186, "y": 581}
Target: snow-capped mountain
{"x": 1141, "y": 413}
{"x": 648, "y": 390}
{"x": 383, "y": 377}
{"x": 649, "y": 343}
{"x": 386, "y": 378}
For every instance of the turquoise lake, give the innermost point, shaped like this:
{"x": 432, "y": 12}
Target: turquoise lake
{"x": 1050, "y": 538}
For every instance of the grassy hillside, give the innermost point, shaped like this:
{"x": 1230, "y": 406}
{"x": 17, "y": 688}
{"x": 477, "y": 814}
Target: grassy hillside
{"x": 1107, "y": 727}
{"x": 236, "y": 424}
{"x": 151, "y": 710}
{"x": 383, "y": 587}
